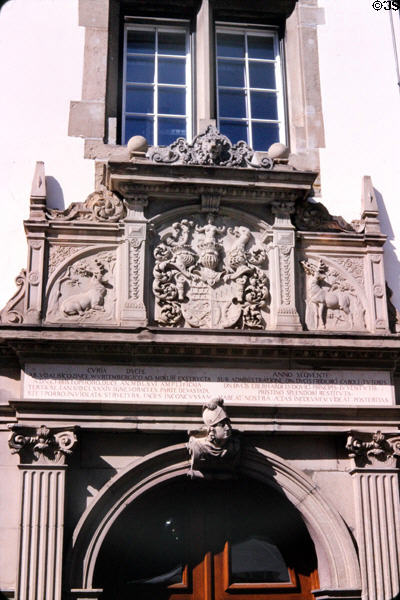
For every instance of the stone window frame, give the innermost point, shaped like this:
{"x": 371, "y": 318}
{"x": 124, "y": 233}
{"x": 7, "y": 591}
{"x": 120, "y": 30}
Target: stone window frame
{"x": 94, "y": 117}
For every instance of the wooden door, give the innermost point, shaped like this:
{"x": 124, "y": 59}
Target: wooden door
{"x": 209, "y": 541}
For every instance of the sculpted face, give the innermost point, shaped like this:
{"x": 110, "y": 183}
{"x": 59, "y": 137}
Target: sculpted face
{"x": 222, "y": 431}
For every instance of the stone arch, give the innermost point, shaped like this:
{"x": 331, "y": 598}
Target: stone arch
{"x": 338, "y": 566}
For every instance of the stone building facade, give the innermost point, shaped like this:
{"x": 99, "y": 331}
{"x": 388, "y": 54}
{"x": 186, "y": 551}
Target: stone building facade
{"x": 199, "y": 367}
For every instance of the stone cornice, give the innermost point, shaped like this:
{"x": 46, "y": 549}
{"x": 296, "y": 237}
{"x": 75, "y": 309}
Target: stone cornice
{"x": 304, "y": 348}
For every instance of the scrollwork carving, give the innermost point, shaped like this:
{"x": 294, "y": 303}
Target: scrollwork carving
{"x": 45, "y": 446}
{"x": 313, "y": 216}
{"x": 206, "y": 276}
{"x": 57, "y": 255}
{"x": 332, "y": 302}
{"x": 209, "y": 148}
{"x": 101, "y": 206}
{"x": 13, "y": 312}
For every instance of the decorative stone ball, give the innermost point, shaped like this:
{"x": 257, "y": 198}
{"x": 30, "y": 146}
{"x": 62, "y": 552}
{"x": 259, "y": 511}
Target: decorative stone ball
{"x": 137, "y": 143}
{"x": 278, "y": 150}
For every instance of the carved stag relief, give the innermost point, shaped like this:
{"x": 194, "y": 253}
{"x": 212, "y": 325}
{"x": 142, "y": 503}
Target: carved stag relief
{"x": 84, "y": 291}
{"x": 332, "y": 301}
{"x": 210, "y": 275}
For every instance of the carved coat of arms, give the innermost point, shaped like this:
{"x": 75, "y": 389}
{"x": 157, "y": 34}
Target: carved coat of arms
{"x": 210, "y": 276}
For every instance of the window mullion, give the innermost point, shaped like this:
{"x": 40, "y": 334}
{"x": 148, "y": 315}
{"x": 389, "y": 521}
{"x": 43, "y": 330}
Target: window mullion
{"x": 155, "y": 100}
{"x": 247, "y": 92}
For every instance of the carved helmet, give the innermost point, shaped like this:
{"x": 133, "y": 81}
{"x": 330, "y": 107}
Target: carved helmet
{"x": 214, "y": 412}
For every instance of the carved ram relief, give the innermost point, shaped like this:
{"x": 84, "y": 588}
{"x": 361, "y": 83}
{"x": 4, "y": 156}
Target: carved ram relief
{"x": 84, "y": 291}
{"x": 210, "y": 273}
{"x": 334, "y": 294}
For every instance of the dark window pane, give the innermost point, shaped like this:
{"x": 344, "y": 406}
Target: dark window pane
{"x": 232, "y": 104}
{"x": 263, "y": 105}
{"x": 229, "y": 44}
{"x": 262, "y": 75}
{"x": 171, "y": 101}
{"x": 139, "y": 126}
{"x": 171, "y": 70}
{"x": 256, "y": 560}
{"x": 140, "y": 69}
{"x": 260, "y": 47}
{"x": 172, "y": 42}
{"x": 170, "y": 129}
{"x": 234, "y": 131}
{"x": 231, "y": 72}
{"x": 264, "y": 134}
{"x": 139, "y": 99}
{"x": 141, "y": 41}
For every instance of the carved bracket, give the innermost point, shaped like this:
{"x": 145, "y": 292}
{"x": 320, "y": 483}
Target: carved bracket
{"x": 45, "y": 446}
{"x": 379, "y": 448}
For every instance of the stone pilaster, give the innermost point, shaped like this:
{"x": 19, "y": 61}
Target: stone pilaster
{"x": 376, "y": 489}
{"x": 133, "y": 313}
{"x": 375, "y": 273}
{"x": 284, "y": 314}
{"x": 39, "y": 568}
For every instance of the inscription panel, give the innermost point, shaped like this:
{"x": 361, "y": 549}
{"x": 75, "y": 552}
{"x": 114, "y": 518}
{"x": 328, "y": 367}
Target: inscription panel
{"x": 187, "y": 385}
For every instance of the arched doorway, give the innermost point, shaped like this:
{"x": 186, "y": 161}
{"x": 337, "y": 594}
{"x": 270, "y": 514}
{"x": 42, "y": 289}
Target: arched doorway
{"x": 202, "y": 540}
{"x": 338, "y": 568}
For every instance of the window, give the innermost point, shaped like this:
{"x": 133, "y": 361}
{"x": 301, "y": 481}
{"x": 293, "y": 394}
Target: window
{"x": 157, "y": 83}
{"x": 249, "y": 87}
{"x": 158, "y": 78}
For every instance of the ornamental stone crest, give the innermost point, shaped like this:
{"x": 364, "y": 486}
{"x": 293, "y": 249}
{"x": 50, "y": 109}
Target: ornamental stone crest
{"x": 209, "y": 148}
{"x": 208, "y": 275}
{"x": 215, "y": 449}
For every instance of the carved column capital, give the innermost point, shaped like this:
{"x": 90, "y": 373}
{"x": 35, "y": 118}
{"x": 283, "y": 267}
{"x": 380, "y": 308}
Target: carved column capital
{"x": 42, "y": 445}
{"x": 376, "y": 450}
{"x": 282, "y": 209}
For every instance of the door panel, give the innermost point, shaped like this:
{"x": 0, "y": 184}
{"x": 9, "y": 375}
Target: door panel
{"x": 197, "y": 540}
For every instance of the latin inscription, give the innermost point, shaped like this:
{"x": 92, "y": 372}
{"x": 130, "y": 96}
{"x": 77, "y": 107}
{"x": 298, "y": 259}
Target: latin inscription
{"x": 192, "y": 386}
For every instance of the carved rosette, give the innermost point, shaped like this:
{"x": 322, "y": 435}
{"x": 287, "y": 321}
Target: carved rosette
{"x": 209, "y": 148}
{"x": 84, "y": 291}
{"x": 208, "y": 275}
{"x": 44, "y": 446}
{"x": 378, "y": 448}
{"x": 334, "y": 299}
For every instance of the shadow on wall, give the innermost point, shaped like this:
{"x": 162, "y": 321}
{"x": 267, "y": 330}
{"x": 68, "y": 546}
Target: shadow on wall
{"x": 55, "y": 195}
{"x": 392, "y": 263}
